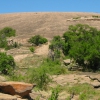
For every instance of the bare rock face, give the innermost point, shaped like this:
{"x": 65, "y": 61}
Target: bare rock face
{"x": 16, "y": 88}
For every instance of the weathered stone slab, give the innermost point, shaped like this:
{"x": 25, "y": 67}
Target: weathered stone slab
{"x": 16, "y": 88}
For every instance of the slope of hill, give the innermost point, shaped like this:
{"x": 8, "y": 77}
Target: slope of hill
{"x": 46, "y": 24}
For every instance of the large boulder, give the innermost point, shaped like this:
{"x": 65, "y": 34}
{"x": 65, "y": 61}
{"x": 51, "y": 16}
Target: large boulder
{"x": 16, "y": 88}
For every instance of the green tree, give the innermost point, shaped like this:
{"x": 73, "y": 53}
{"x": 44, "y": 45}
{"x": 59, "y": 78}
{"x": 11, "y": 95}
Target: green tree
{"x": 4, "y": 33}
{"x": 84, "y": 43}
{"x": 37, "y": 39}
{"x": 7, "y": 63}
{"x": 56, "y": 46}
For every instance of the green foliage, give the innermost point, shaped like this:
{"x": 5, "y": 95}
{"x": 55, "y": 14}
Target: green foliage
{"x": 17, "y": 77}
{"x": 96, "y": 16}
{"x": 15, "y": 45}
{"x": 76, "y": 17}
{"x": 68, "y": 98}
{"x": 56, "y": 43}
{"x": 40, "y": 77}
{"x": 56, "y": 47}
{"x": 4, "y": 33}
{"x": 37, "y": 39}
{"x": 41, "y": 74}
{"x": 7, "y": 63}
{"x": 3, "y": 42}
{"x": 53, "y": 67}
{"x": 84, "y": 45}
{"x": 81, "y": 43}
{"x": 7, "y": 32}
{"x": 32, "y": 49}
{"x": 85, "y": 91}
{"x": 55, "y": 94}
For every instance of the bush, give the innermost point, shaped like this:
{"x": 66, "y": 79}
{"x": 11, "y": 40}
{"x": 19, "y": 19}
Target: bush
{"x": 55, "y": 94}
{"x": 32, "y": 49}
{"x": 4, "y": 33}
{"x": 40, "y": 77}
{"x": 17, "y": 77}
{"x": 83, "y": 45}
{"x": 56, "y": 47}
{"x": 7, "y": 32}
{"x": 37, "y": 39}
{"x": 41, "y": 74}
{"x": 7, "y": 63}
{"x": 3, "y": 42}
{"x": 53, "y": 67}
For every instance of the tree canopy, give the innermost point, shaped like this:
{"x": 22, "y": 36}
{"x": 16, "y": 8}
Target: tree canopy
{"x": 81, "y": 43}
{"x": 37, "y": 39}
{"x": 84, "y": 42}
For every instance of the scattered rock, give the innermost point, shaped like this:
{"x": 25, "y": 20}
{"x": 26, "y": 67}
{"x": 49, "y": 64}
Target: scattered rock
{"x": 67, "y": 61}
{"x": 16, "y": 88}
{"x": 94, "y": 78}
{"x": 96, "y": 81}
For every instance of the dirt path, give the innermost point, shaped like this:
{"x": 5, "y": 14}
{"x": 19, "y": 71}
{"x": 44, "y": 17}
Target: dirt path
{"x": 42, "y": 50}
{"x": 17, "y": 58}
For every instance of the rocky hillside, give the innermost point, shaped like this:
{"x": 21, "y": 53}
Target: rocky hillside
{"x": 46, "y": 24}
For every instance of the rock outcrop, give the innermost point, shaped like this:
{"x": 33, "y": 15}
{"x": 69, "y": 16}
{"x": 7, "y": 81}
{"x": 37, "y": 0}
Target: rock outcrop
{"x": 16, "y": 88}
{"x": 7, "y": 97}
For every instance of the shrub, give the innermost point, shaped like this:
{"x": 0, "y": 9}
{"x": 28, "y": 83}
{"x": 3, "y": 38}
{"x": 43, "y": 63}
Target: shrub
{"x": 32, "y": 49}
{"x": 4, "y": 33}
{"x": 7, "y": 32}
{"x": 7, "y": 63}
{"x": 37, "y": 39}
{"x": 56, "y": 47}
{"x": 53, "y": 67}
{"x": 17, "y": 77}
{"x": 39, "y": 76}
{"x": 55, "y": 94}
{"x": 3, "y": 42}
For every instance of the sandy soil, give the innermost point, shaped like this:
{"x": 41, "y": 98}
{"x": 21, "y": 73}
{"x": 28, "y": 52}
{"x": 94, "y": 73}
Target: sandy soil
{"x": 42, "y": 50}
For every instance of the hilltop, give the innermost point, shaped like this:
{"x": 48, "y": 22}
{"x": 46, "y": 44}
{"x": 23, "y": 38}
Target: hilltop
{"x": 47, "y": 24}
